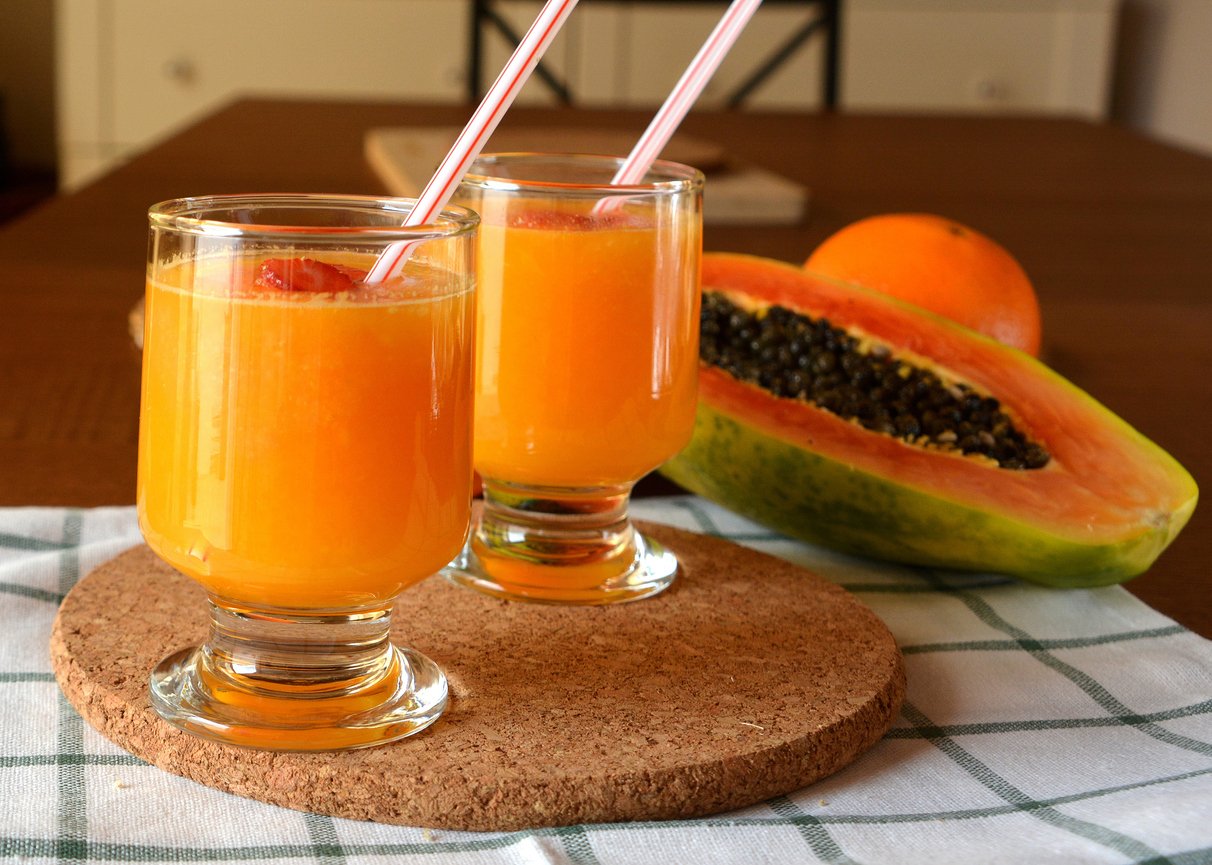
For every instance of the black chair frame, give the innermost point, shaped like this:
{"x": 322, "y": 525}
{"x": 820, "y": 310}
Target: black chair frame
{"x": 828, "y": 18}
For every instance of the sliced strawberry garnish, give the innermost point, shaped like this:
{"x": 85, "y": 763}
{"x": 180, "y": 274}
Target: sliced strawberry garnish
{"x": 307, "y": 274}
{"x": 355, "y": 274}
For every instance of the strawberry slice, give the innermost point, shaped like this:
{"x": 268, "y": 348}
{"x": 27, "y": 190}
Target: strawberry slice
{"x": 307, "y": 274}
{"x": 355, "y": 274}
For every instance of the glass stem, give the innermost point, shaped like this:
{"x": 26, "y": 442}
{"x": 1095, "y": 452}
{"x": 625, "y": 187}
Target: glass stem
{"x": 276, "y": 651}
{"x": 557, "y": 526}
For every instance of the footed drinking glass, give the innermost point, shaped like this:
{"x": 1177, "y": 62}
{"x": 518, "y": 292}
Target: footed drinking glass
{"x": 586, "y": 370}
{"x": 305, "y": 456}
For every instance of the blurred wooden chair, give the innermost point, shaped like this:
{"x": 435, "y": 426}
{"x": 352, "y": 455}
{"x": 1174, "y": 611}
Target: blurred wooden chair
{"x": 486, "y": 16}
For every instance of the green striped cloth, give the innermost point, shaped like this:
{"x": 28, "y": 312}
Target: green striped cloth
{"x": 1040, "y": 727}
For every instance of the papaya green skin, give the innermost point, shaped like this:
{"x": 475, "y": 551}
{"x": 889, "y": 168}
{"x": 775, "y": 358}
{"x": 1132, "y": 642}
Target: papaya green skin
{"x": 811, "y": 497}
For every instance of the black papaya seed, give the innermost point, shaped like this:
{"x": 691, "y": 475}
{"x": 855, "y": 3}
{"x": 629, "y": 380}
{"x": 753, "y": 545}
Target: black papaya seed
{"x": 795, "y": 356}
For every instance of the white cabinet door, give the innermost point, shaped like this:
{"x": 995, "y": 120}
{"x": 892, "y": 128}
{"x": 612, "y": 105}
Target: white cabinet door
{"x": 174, "y": 60}
{"x": 1052, "y": 56}
{"x": 132, "y": 71}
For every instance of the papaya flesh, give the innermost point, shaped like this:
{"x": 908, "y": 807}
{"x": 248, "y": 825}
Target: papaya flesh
{"x": 1100, "y": 510}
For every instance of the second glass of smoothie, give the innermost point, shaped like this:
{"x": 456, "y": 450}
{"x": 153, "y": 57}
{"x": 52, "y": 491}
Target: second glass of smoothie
{"x": 586, "y": 370}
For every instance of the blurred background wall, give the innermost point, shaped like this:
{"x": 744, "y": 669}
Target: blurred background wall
{"x": 1163, "y": 81}
{"x": 85, "y": 83}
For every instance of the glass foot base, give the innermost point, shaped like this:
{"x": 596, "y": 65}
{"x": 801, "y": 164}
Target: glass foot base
{"x": 194, "y": 690}
{"x": 651, "y": 570}
{"x": 560, "y": 545}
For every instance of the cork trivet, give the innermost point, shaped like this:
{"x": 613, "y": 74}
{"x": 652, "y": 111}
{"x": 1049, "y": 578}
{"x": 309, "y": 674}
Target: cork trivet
{"x": 748, "y": 679}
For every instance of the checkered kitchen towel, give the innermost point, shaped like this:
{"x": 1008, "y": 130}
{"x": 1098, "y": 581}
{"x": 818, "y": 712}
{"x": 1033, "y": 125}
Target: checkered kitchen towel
{"x": 1040, "y": 727}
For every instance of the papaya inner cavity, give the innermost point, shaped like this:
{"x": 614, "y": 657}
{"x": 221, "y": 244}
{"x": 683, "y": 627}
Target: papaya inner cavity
{"x": 794, "y": 356}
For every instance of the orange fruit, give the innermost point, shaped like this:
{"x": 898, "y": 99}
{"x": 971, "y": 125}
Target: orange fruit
{"x": 938, "y": 264}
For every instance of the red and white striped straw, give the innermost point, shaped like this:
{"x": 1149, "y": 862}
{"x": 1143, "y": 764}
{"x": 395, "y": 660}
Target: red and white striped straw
{"x": 685, "y": 92}
{"x": 477, "y": 132}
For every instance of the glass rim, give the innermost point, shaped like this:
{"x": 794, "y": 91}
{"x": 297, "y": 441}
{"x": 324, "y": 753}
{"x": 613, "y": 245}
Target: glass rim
{"x": 185, "y": 215}
{"x": 679, "y": 178}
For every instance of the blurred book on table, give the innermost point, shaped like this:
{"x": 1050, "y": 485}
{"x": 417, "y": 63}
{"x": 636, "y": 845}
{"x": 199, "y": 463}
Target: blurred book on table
{"x": 737, "y": 192}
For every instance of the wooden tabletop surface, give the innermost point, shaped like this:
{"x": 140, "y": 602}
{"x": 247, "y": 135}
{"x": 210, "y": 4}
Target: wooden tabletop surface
{"x": 1114, "y": 230}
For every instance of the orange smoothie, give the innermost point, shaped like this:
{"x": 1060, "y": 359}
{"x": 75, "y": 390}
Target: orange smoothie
{"x": 587, "y": 344}
{"x": 305, "y": 450}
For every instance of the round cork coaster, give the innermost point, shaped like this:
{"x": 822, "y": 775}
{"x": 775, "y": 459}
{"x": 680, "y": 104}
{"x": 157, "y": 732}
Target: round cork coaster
{"x": 749, "y": 678}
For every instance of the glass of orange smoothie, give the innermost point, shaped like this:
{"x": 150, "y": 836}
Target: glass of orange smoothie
{"x": 586, "y": 360}
{"x": 305, "y": 456}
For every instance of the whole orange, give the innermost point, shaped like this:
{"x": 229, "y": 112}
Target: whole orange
{"x": 941, "y": 265}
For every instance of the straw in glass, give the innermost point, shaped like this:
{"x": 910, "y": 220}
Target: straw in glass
{"x": 681, "y": 98}
{"x": 476, "y": 133}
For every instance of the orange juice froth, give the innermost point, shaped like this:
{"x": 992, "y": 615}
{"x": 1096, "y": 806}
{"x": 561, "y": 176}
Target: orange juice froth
{"x": 305, "y": 451}
{"x": 587, "y": 344}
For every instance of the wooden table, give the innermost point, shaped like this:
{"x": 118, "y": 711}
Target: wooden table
{"x": 1115, "y": 230}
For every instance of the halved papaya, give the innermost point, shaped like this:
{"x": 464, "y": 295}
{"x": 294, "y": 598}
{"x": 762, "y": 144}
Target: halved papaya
{"x": 1094, "y": 503}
